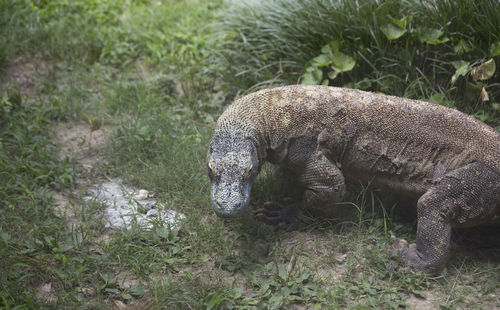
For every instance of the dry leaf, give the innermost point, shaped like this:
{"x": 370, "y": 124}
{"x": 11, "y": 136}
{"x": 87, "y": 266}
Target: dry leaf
{"x": 119, "y": 304}
{"x": 484, "y": 95}
{"x": 484, "y": 71}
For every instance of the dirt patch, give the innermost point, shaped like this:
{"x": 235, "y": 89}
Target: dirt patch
{"x": 45, "y": 293}
{"x": 25, "y": 74}
{"x": 63, "y": 209}
{"x": 318, "y": 249}
{"x": 426, "y": 302}
{"x": 78, "y": 140}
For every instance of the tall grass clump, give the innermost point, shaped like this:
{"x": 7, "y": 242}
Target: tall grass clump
{"x": 433, "y": 50}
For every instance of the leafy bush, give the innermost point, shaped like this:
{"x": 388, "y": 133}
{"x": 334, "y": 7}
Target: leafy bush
{"x": 417, "y": 49}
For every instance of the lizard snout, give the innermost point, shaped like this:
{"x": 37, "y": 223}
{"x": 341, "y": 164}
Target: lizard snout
{"x": 227, "y": 202}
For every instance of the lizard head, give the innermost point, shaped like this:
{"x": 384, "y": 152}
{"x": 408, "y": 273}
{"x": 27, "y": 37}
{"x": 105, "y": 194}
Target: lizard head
{"x": 232, "y": 166}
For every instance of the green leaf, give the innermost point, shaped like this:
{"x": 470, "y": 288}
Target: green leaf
{"x": 5, "y": 237}
{"x": 264, "y": 290}
{"x": 331, "y": 47}
{"x": 437, "y": 98}
{"x": 392, "y": 32}
{"x": 143, "y": 130}
{"x": 282, "y": 272}
{"x": 473, "y": 91}
{"x": 431, "y": 36}
{"x": 484, "y": 71}
{"x": 364, "y": 84}
{"x": 461, "y": 47}
{"x": 461, "y": 69}
{"x": 304, "y": 276}
{"x": 495, "y": 49}
{"x": 276, "y": 302}
{"x": 312, "y": 76}
{"x": 322, "y": 60}
{"x": 333, "y": 74}
{"x": 163, "y": 232}
{"x": 236, "y": 293}
{"x": 490, "y": 285}
{"x": 342, "y": 62}
{"x": 401, "y": 23}
{"x": 136, "y": 290}
{"x": 112, "y": 291}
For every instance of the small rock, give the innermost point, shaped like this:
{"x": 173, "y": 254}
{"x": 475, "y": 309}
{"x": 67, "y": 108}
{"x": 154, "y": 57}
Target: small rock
{"x": 87, "y": 291}
{"x": 148, "y": 204}
{"x": 143, "y": 194}
{"x": 152, "y": 213}
{"x": 87, "y": 167}
{"x": 45, "y": 293}
{"x": 340, "y": 259}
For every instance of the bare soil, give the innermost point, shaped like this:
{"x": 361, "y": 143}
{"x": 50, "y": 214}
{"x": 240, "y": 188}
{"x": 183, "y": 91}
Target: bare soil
{"x": 25, "y": 75}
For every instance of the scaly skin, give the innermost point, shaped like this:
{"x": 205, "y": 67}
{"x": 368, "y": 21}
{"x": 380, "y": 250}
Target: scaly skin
{"x": 445, "y": 158}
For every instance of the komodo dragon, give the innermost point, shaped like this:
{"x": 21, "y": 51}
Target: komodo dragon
{"x": 445, "y": 158}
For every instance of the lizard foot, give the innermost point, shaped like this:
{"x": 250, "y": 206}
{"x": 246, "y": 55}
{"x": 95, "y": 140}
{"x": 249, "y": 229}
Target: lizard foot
{"x": 279, "y": 216}
{"x": 414, "y": 260}
{"x": 408, "y": 252}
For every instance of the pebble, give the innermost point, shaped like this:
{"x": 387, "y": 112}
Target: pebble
{"x": 152, "y": 213}
{"x": 143, "y": 194}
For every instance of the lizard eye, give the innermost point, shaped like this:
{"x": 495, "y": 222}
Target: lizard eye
{"x": 247, "y": 171}
{"x": 211, "y": 168}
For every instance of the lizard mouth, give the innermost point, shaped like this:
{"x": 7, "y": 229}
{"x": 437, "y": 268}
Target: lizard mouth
{"x": 227, "y": 204}
{"x": 232, "y": 212}
{"x": 228, "y": 201}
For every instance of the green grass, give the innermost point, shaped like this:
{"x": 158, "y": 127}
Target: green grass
{"x": 152, "y": 73}
{"x": 30, "y": 171}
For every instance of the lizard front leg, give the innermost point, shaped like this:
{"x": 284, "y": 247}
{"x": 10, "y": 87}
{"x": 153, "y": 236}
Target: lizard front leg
{"x": 324, "y": 185}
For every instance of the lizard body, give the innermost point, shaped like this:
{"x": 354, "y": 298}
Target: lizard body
{"x": 328, "y": 135}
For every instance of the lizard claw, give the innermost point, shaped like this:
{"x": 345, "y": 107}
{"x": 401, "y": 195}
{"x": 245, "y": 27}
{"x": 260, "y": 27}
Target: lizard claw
{"x": 399, "y": 246}
{"x": 408, "y": 252}
{"x": 278, "y": 216}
